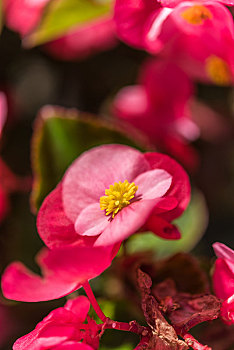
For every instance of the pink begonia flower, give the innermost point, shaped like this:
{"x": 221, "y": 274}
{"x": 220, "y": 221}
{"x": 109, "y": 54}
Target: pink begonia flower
{"x": 199, "y": 32}
{"x": 159, "y": 107}
{"x": 23, "y": 15}
{"x": 84, "y": 40}
{"x": 109, "y": 193}
{"x": 61, "y": 329}
{"x": 64, "y": 270}
{"x": 223, "y": 280}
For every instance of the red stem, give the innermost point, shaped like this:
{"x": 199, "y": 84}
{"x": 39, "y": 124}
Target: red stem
{"x": 93, "y": 301}
{"x": 132, "y": 326}
{"x": 191, "y": 341}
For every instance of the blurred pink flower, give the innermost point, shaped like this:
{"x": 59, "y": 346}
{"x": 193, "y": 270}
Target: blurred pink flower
{"x": 223, "y": 280}
{"x": 84, "y": 40}
{"x": 159, "y": 106}
{"x": 9, "y": 182}
{"x": 109, "y": 193}
{"x": 198, "y": 34}
{"x": 61, "y": 329}
{"x": 64, "y": 270}
{"x": 23, "y": 15}
{"x": 79, "y": 42}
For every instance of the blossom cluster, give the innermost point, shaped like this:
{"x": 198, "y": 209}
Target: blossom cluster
{"x": 112, "y": 192}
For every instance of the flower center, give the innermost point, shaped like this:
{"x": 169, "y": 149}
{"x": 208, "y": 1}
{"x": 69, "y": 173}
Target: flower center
{"x": 218, "y": 71}
{"x": 117, "y": 197}
{"x": 196, "y": 14}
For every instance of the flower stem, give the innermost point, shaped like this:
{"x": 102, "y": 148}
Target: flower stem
{"x": 93, "y": 301}
{"x": 191, "y": 341}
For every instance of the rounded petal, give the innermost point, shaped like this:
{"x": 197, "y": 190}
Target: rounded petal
{"x": 153, "y": 184}
{"x": 78, "y": 306}
{"x": 54, "y": 227}
{"x": 92, "y": 221}
{"x": 63, "y": 271}
{"x": 131, "y": 103}
{"x": 127, "y": 222}
{"x": 180, "y": 187}
{"x": 162, "y": 228}
{"x": 106, "y": 165}
{"x": 22, "y": 15}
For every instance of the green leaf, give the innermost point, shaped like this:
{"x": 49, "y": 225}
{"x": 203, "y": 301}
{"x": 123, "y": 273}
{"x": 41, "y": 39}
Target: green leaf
{"x": 60, "y": 136}
{"x": 192, "y": 225}
{"x": 63, "y": 15}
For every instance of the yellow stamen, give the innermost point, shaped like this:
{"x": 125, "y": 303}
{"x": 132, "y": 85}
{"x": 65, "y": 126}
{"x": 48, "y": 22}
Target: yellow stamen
{"x": 218, "y": 70}
{"x": 196, "y": 14}
{"x": 117, "y": 197}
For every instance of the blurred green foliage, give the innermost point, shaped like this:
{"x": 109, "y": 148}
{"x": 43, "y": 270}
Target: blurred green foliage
{"x": 63, "y": 15}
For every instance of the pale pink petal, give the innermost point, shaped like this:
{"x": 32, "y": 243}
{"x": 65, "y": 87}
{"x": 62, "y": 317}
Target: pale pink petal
{"x": 128, "y": 221}
{"x": 64, "y": 270}
{"x": 224, "y": 252}
{"x": 54, "y": 227}
{"x": 180, "y": 187}
{"x": 162, "y": 228}
{"x": 91, "y": 221}
{"x": 131, "y": 102}
{"x": 94, "y": 171}
{"x": 153, "y": 184}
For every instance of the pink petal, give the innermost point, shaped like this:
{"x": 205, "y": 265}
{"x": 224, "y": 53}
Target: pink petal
{"x": 153, "y": 184}
{"x": 180, "y": 187}
{"x": 79, "y": 306}
{"x": 162, "y": 228}
{"x": 223, "y": 279}
{"x": 84, "y": 40}
{"x": 134, "y": 18}
{"x": 225, "y": 253}
{"x": 54, "y": 227}
{"x": 60, "y": 325}
{"x": 128, "y": 221}
{"x": 227, "y": 311}
{"x": 222, "y": 251}
{"x": 94, "y": 171}
{"x": 23, "y": 15}
{"x": 131, "y": 102}
{"x": 71, "y": 345}
{"x": 64, "y": 270}
{"x": 91, "y": 221}
{"x": 3, "y": 110}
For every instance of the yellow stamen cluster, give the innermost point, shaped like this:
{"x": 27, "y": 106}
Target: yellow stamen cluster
{"x": 117, "y": 197}
{"x": 218, "y": 71}
{"x": 196, "y": 14}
